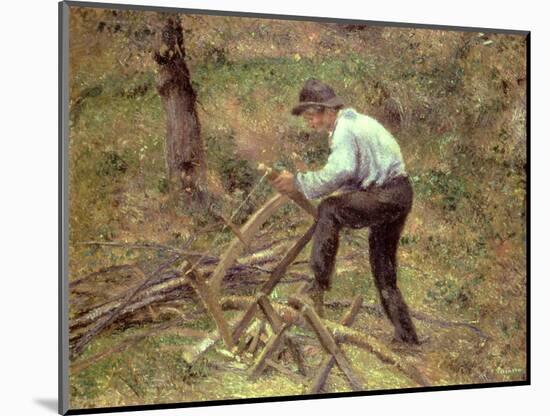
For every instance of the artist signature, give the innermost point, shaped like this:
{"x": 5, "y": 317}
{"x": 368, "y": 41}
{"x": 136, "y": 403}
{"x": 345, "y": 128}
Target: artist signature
{"x": 509, "y": 370}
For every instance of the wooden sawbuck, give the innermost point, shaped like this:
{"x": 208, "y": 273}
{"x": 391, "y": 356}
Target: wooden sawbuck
{"x": 281, "y": 318}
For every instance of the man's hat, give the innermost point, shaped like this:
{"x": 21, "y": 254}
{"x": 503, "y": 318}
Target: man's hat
{"x": 314, "y": 94}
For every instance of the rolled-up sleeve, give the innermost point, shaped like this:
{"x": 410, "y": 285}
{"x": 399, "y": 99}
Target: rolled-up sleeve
{"x": 339, "y": 169}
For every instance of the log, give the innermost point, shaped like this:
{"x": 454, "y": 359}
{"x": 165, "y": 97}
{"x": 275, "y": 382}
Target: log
{"x": 151, "y": 293}
{"x": 247, "y": 232}
{"x": 327, "y": 341}
{"x": 212, "y": 305}
{"x": 274, "y": 279}
{"x": 86, "y": 289}
{"x": 342, "y": 334}
{"x": 274, "y": 320}
{"x": 380, "y": 351}
{"x": 378, "y": 311}
{"x": 276, "y": 323}
{"x": 324, "y": 370}
{"x": 112, "y": 316}
{"x": 175, "y": 290}
{"x": 271, "y": 348}
{"x": 171, "y": 286}
{"x": 298, "y": 379}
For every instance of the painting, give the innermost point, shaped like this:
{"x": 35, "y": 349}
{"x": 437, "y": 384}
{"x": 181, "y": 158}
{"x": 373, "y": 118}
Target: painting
{"x": 268, "y": 207}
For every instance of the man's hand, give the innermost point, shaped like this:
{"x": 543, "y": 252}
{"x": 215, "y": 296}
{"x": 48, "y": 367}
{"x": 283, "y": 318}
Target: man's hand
{"x": 284, "y": 183}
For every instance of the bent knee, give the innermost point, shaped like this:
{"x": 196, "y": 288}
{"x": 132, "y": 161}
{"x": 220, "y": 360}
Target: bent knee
{"x": 328, "y": 207}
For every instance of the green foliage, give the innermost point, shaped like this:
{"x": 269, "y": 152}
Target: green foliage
{"x": 163, "y": 185}
{"x": 408, "y": 239}
{"x": 455, "y": 102}
{"x": 111, "y": 164}
{"x": 236, "y": 173}
{"x": 442, "y": 188}
{"x": 450, "y": 293}
{"x": 283, "y": 75}
{"x": 463, "y": 294}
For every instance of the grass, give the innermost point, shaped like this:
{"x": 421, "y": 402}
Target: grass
{"x": 454, "y": 101}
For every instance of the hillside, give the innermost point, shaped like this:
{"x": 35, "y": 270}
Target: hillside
{"x": 455, "y": 101}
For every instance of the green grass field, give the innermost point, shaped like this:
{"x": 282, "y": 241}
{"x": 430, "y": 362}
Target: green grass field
{"x": 455, "y": 102}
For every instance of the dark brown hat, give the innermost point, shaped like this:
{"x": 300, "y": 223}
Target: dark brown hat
{"x": 314, "y": 94}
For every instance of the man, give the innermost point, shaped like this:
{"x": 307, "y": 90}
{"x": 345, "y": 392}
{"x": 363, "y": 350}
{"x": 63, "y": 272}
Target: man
{"x": 366, "y": 167}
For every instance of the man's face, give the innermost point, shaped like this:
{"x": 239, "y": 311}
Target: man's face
{"x": 320, "y": 120}
{"x": 315, "y": 119}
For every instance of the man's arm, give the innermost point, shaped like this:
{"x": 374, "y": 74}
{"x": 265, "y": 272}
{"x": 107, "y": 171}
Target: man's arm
{"x": 339, "y": 169}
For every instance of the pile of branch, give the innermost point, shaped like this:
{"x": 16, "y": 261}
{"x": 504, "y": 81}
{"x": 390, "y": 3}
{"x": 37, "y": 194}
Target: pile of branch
{"x": 124, "y": 294}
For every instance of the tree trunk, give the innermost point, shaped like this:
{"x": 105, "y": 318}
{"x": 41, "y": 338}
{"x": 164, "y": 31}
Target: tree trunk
{"x": 184, "y": 150}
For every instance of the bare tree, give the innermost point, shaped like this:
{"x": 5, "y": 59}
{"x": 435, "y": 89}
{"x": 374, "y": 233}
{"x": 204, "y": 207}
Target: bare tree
{"x": 160, "y": 35}
{"x": 185, "y": 155}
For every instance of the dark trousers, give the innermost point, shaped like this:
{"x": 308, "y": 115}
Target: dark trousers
{"x": 384, "y": 209}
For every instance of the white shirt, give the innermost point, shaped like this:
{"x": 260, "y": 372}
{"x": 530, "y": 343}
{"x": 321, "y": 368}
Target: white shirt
{"x": 362, "y": 152}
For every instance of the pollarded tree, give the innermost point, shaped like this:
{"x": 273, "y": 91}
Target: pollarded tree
{"x": 136, "y": 35}
{"x": 184, "y": 149}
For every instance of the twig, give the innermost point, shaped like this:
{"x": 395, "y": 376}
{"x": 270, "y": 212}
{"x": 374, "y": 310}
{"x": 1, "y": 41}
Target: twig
{"x": 85, "y": 339}
{"x": 82, "y": 365}
{"x": 378, "y": 310}
{"x": 145, "y": 246}
{"x": 103, "y": 270}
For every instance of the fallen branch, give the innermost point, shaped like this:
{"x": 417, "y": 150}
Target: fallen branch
{"x": 112, "y": 315}
{"x": 134, "y": 246}
{"x": 169, "y": 288}
{"x": 89, "y": 318}
{"x": 379, "y": 312}
{"x": 341, "y": 334}
{"x": 161, "y": 287}
{"x": 258, "y": 256}
{"x": 110, "y": 269}
{"x": 326, "y": 366}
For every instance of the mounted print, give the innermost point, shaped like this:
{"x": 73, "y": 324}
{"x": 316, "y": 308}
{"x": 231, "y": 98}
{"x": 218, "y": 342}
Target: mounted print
{"x": 273, "y": 207}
